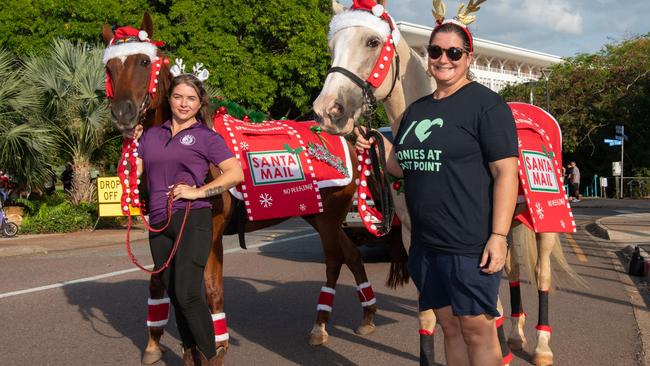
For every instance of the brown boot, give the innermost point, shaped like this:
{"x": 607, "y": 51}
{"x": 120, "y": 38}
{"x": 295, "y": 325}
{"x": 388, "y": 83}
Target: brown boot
{"x": 216, "y": 360}
{"x": 191, "y": 356}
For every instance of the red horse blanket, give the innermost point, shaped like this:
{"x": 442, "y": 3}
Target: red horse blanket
{"x": 285, "y": 164}
{"x": 540, "y": 171}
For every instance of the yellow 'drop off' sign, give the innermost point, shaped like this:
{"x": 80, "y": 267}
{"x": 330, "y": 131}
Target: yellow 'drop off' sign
{"x": 109, "y": 192}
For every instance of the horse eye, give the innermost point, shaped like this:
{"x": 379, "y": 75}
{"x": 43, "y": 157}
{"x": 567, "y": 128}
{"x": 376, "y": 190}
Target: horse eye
{"x": 373, "y": 43}
{"x": 145, "y": 62}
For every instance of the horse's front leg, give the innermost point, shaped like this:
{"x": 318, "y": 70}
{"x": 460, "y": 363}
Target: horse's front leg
{"x": 543, "y": 355}
{"x": 427, "y": 320}
{"x": 157, "y": 318}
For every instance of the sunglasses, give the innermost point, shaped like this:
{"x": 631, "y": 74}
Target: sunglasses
{"x": 453, "y": 53}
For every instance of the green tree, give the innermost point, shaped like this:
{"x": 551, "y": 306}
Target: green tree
{"x": 70, "y": 86}
{"x": 25, "y": 148}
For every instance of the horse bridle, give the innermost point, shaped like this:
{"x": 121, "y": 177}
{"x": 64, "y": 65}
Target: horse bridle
{"x": 378, "y": 159}
{"x": 369, "y": 99}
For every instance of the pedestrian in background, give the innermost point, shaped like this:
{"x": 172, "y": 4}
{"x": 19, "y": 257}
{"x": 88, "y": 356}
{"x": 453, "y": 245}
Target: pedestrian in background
{"x": 67, "y": 176}
{"x": 4, "y": 186}
{"x": 575, "y": 182}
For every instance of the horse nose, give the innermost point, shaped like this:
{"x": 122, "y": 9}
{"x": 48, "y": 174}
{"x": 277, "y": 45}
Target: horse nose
{"x": 123, "y": 111}
{"x": 335, "y": 110}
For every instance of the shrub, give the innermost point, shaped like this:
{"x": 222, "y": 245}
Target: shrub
{"x": 61, "y": 218}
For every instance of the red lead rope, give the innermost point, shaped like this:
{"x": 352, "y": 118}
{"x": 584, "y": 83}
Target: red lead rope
{"x": 131, "y": 196}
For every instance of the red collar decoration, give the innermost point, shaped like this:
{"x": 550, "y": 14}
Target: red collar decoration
{"x": 367, "y": 13}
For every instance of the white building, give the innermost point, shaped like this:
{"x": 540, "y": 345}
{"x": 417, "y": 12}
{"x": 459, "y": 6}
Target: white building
{"x": 495, "y": 64}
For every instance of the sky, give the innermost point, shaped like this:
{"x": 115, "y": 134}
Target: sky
{"x": 557, "y": 27}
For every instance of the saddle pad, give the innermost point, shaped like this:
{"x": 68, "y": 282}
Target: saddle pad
{"x": 540, "y": 171}
{"x": 285, "y": 165}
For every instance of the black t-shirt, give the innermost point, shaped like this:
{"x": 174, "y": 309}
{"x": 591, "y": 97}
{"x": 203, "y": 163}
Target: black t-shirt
{"x": 444, "y": 147}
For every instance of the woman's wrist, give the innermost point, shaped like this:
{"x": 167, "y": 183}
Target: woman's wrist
{"x": 505, "y": 238}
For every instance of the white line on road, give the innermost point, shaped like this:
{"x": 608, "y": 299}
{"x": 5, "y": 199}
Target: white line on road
{"x": 119, "y": 273}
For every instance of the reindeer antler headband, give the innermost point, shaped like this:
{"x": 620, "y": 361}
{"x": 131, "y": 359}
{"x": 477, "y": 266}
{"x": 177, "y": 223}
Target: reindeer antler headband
{"x": 462, "y": 19}
{"x": 197, "y": 70}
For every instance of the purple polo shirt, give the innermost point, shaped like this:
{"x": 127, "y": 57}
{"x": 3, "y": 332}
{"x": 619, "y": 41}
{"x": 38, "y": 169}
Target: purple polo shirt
{"x": 183, "y": 158}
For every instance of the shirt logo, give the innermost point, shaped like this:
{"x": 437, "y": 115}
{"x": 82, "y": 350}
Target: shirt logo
{"x": 422, "y": 128}
{"x": 188, "y": 140}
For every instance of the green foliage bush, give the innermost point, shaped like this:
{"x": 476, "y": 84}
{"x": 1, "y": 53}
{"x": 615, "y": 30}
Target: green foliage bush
{"x": 61, "y": 218}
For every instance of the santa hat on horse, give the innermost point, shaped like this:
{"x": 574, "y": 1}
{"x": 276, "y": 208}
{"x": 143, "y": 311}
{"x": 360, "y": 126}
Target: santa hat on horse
{"x": 129, "y": 41}
{"x": 366, "y": 13}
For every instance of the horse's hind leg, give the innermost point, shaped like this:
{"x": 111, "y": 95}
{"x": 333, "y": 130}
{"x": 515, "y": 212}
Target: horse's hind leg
{"x": 543, "y": 356}
{"x": 427, "y": 320}
{"x": 157, "y": 317}
{"x": 516, "y": 338}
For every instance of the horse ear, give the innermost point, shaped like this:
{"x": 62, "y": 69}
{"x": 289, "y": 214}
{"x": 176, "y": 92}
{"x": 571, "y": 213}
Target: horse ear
{"x": 107, "y": 34}
{"x": 337, "y": 7}
{"x": 382, "y": 3}
{"x": 147, "y": 24}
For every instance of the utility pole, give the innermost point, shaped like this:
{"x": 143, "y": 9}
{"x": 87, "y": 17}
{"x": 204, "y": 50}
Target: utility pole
{"x": 622, "y": 149}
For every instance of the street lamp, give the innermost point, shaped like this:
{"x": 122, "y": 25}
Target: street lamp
{"x": 546, "y": 73}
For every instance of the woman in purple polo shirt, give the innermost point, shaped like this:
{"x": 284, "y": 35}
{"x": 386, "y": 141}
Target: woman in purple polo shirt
{"x": 179, "y": 153}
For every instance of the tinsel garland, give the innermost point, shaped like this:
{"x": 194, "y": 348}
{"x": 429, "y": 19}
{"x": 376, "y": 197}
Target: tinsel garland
{"x": 320, "y": 153}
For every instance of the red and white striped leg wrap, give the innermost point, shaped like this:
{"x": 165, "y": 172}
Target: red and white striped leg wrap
{"x": 157, "y": 312}
{"x": 326, "y": 299}
{"x": 366, "y": 295}
{"x": 220, "y": 329}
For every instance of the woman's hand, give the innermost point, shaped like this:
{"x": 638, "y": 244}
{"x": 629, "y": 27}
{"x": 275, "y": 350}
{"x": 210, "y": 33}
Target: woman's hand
{"x": 494, "y": 254}
{"x": 186, "y": 192}
{"x": 361, "y": 143}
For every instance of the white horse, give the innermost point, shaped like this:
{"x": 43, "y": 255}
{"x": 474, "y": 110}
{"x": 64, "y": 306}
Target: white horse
{"x": 340, "y": 105}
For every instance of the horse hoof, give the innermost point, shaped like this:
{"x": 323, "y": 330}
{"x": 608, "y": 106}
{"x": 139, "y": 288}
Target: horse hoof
{"x": 365, "y": 329}
{"x": 151, "y": 356}
{"x": 217, "y": 360}
{"x": 543, "y": 359}
{"x": 517, "y": 344}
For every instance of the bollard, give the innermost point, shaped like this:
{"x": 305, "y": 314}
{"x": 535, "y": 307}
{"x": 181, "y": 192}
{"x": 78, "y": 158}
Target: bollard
{"x": 636, "y": 263}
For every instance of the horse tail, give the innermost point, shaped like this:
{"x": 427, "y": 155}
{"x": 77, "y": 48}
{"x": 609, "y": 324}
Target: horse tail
{"x": 398, "y": 274}
{"x": 528, "y": 239}
{"x": 560, "y": 259}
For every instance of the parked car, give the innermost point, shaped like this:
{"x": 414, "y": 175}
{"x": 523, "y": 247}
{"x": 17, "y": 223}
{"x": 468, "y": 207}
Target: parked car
{"x": 353, "y": 226}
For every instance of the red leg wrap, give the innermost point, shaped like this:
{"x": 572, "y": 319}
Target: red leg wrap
{"x": 157, "y": 312}
{"x": 326, "y": 299}
{"x": 366, "y": 295}
{"x": 426, "y": 332}
{"x": 545, "y": 328}
{"x": 507, "y": 359}
{"x": 220, "y": 328}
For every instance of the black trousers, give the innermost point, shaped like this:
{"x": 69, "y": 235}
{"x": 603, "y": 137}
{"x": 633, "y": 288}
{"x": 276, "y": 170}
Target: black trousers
{"x": 183, "y": 279}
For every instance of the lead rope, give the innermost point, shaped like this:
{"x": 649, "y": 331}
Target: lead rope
{"x": 131, "y": 196}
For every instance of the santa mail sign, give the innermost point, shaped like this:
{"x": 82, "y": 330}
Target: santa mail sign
{"x": 539, "y": 169}
{"x": 272, "y": 167}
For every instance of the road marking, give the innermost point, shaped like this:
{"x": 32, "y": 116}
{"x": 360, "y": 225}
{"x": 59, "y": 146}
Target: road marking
{"x": 119, "y": 273}
{"x": 582, "y": 257}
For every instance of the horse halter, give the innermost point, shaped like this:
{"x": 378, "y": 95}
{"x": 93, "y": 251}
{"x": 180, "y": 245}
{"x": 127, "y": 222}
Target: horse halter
{"x": 377, "y": 76}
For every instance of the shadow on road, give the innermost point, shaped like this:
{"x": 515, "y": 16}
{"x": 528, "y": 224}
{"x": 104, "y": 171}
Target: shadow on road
{"x": 274, "y": 315}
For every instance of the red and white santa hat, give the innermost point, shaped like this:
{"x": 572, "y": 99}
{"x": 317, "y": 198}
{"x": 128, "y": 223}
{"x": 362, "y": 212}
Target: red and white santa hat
{"x": 129, "y": 41}
{"x": 365, "y": 13}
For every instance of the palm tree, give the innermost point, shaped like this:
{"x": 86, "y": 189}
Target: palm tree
{"x": 70, "y": 83}
{"x": 26, "y": 149}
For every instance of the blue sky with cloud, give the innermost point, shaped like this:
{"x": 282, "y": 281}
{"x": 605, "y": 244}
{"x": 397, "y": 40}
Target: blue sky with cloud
{"x": 558, "y": 27}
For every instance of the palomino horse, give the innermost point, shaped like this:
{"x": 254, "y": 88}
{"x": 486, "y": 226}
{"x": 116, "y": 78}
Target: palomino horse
{"x": 138, "y": 83}
{"x": 343, "y": 100}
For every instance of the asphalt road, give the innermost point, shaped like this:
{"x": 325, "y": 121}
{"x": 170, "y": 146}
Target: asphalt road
{"x": 88, "y": 306}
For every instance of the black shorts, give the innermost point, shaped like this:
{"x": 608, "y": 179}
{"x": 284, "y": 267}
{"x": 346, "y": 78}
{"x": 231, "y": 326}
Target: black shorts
{"x": 456, "y": 280}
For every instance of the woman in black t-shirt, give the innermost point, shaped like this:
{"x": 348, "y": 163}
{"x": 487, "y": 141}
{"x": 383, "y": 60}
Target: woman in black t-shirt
{"x": 457, "y": 151}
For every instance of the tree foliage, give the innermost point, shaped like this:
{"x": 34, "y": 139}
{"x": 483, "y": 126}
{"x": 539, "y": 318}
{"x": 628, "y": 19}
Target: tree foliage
{"x": 265, "y": 55}
{"x": 592, "y": 93}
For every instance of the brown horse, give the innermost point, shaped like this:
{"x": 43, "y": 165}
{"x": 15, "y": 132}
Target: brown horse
{"x": 139, "y": 95}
